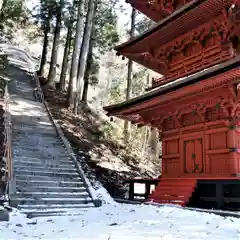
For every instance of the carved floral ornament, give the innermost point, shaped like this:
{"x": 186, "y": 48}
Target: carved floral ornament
{"x": 229, "y": 107}
{"x": 193, "y": 43}
{"x": 163, "y": 6}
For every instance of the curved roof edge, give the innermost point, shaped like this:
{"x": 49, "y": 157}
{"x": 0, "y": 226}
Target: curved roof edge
{"x": 179, "y": 83}
{"x": 186, "y": 8}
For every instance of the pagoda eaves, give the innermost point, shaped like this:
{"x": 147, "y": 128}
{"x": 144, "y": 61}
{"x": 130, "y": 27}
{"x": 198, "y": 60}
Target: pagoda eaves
{"x": 170, "y": 48}
{"x": 157, "y": 9}
{"x": 132, "y": 109}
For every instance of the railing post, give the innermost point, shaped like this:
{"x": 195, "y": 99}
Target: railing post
{"x": 9, "y": 176}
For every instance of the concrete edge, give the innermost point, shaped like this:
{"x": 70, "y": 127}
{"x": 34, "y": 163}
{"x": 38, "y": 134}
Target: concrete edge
{"x": 4, "y": 215}
{"x": 97, "y": 202}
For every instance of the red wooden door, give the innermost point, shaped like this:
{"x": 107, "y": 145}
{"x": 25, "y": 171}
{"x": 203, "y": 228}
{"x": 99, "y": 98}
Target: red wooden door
{"x": 193, "y": 156}
{"x": 198, "y": 163}
{"x": 188, "y": 150}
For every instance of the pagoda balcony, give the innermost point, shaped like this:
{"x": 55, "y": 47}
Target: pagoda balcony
{"x": 196, "y": 62}
{"x": 157, "y": 9}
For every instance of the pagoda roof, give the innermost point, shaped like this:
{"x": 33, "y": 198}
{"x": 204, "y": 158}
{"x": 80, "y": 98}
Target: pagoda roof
{"x": 116, "y": 109}
{"x": 157, "y": 10}
{"x": 183, "y": 20}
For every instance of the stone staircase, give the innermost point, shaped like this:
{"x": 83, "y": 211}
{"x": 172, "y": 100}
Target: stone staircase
{"x": 47, "y": 180}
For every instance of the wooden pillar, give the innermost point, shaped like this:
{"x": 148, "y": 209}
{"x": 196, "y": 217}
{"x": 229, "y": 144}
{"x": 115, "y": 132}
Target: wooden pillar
{"x": 147, "y": 189}
{"x": 181, "y": 155}
{"x": 207, "y": 157}
{"x": 131, "y": 190}
{"x": 163, "y": 156}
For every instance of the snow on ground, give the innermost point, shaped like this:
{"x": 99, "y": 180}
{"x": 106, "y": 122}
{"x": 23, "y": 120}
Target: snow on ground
{"x": 123, "y": 222}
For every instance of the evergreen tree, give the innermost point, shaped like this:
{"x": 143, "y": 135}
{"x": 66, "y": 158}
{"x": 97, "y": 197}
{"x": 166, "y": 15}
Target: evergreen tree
{"x": 84, "y": 52}
{"x": 103, "y": 37}
{"x": 56, "y": 42}
{"x": 129, "y": 74}
{"x": 69, "y": 24}
{"x": 13, "y": 15}
{"x": 72, "y": 87}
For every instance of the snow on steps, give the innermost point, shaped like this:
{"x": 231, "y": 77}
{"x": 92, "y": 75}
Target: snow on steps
{"x": 28, "y": 112}
{"x": 173, "y": 191}
{"x": 47, "y": 180}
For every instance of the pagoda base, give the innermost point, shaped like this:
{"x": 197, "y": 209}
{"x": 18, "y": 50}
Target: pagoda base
{"x": 209, "y": 192}
{"x": 221, "y": 193}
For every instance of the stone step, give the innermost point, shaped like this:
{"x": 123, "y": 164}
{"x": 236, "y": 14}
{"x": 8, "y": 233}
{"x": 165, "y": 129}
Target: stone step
{"x": 32, "y": 154}
{"x": 38, "y": 149}
{"x": 45, "y": 183}
{"x": 29, "y": 188}
{"x": 32, "y": 126}
{"x": 39, "y": 134}
{"x": 36, "y": 141}
{"x": 33, "y": 122}
{"x": 38, "y": 164}
{"x": 49, "y": 201}
{"x": 39, "y": 160}
{"x": 59, "y": 169}
{"x": 33, "y": 207}
{"x": 29, "y": 145}
{"x": 36, "y": 130}
{"x": 47, "y": 178}
{"x": 33, "y": 139}
{"x": 46, "y": 172}
{"x": 42, "y": 195}
{"x": 56, "y": 169}
{"x": 53, "y": 213}
{"x": 37, "y": 117}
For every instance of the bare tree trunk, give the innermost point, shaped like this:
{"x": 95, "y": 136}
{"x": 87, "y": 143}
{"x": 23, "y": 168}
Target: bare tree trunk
{"x": 127, "y": 124}
{"x": 3, "y": 4}
{"x": 72, "y": 87}
{"x": 65, "y": 59}
{"x": 56, "y": 42}
{"x": 67, "y": 49}
{"x": 2, "y": 16}
{"x": 45, "y": 47}
{"x": 87, "y": 72}
{"x": 84, "y": 52}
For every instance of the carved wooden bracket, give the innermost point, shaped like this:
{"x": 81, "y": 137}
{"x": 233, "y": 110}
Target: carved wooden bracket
{"x": 176, "y": 119}
{"x": 162, "y": 7}
{"x": 206, "y": 45}
{"x": 201, "y": 112}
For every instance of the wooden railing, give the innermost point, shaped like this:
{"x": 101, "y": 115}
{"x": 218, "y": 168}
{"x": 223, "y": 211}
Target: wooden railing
{"x": 147, "y": 185}
{"x": 8, "y": 137}
{"x": 38, "y": 90}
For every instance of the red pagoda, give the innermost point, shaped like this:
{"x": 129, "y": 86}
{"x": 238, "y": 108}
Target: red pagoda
{"x": 195, "y": 45}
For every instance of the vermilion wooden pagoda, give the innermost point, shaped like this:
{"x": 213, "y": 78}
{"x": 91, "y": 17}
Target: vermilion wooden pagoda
{"x": 196, "y": 105}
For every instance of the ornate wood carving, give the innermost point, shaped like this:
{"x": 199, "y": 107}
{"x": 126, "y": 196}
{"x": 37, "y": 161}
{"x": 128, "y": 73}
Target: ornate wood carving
{"x": 203, "y": 110}
{"x": 157, "y": 9}
{"x": 207, "y": 45}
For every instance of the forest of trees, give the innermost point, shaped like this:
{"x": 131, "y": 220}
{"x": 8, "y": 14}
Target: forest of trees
{"x": 88, "y": 30}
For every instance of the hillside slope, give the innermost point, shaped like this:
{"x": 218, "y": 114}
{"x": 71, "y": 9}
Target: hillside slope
{"x": 105, "y": 159}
